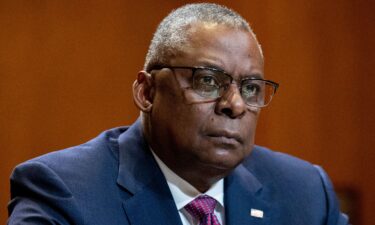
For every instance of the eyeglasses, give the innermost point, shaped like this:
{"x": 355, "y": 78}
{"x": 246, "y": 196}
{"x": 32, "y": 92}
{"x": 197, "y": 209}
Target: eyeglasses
{"x": 211, "y": 84}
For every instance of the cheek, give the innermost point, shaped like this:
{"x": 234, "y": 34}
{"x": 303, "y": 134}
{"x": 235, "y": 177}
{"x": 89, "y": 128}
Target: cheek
{"x": 247, "y": 128}
{"x": 191, "y": 119}
{"x": 180, "y": 120}
{"x": 251, "y": 125}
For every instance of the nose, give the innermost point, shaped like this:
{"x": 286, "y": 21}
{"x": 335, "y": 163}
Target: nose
{"x": 231, "y": 103}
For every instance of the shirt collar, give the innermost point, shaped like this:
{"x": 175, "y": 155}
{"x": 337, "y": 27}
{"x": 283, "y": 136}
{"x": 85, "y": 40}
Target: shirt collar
{"x": 183, "y": 192}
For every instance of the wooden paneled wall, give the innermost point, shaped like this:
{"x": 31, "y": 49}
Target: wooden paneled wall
{"x": 66, "y": 69}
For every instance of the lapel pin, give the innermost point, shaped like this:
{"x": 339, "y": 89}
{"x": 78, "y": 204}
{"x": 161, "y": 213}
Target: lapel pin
{"x": 256, "y": 213}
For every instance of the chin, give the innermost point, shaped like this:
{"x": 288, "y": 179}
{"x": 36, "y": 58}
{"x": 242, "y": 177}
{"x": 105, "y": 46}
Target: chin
{"x": 224, "y": 159}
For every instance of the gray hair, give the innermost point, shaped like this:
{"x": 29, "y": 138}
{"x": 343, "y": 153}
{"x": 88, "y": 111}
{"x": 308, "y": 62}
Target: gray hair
{"x": 172, "y": 32}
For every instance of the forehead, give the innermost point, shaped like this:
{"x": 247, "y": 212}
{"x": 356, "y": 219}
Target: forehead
{"x": 234, "y": 50}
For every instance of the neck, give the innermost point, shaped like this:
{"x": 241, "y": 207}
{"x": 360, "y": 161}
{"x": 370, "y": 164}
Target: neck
{"x": 202, "y": 178}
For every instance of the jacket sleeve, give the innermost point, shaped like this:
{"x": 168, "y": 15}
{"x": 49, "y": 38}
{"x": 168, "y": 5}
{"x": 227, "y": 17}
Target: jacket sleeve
{"x": 334, "y": 216}
{"x": 39, "y": 196}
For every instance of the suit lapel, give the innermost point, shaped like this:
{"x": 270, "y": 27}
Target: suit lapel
{"x": 243, "y": 194}
{"x": 150, "y": 200}
{"x": 152, "y": 205}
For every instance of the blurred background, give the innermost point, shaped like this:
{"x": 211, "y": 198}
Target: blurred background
{"x": 66, "y": 70}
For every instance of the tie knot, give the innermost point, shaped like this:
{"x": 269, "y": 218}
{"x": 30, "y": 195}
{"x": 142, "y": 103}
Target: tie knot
{"x": 201, "y": 206}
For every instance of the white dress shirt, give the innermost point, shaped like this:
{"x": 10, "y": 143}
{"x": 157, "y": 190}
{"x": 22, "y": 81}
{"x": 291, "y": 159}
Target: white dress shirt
{"x": 183, "y": 193}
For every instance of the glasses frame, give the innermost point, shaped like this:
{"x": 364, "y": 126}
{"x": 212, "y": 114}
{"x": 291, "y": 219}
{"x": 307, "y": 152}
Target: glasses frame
{"x": 195, "y": 68}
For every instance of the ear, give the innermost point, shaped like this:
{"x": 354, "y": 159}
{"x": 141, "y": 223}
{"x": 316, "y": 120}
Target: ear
{"x": 142, "y": 91}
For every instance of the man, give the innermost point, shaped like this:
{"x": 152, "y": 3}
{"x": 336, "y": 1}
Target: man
{"x": 190, "y": 158}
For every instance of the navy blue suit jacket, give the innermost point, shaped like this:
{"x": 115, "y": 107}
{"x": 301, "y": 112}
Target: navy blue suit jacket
{"x": 114, "y": 179}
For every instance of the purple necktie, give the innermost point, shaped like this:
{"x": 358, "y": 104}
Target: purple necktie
{"x": 203, "y": 208}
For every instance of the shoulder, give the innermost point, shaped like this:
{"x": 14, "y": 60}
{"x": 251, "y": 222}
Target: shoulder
{"x": 287, "y": 178}
{"x": 87, "y": 163}
{"x": 102, "y": 148}
{"x": 67, "y": 185}
{"x": 292, "y": 184}
{"x": 280, "y": 170}
{"x": 266, "y": 163}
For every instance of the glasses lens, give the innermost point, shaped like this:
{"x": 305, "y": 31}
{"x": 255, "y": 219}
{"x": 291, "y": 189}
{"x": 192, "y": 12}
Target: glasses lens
{"x": 257, "y": 92}
{"x": 209, "y": 83}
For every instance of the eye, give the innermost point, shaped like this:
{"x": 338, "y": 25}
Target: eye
{"x": 207, "y": 80}
{"x": 206, "y": 77}
{"x": 250, "y": 89}
{"x": 206, "y": 83}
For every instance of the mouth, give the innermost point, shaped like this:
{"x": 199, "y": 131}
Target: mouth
{"x": 225, "y": 137}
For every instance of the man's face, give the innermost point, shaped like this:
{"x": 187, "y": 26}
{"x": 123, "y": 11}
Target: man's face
{"x": 214, "y": 136}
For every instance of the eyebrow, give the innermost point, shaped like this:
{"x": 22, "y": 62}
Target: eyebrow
{"x": 212, "y": 66}
{"x": 242, "y": 77}
{"x": 252, "y": 76}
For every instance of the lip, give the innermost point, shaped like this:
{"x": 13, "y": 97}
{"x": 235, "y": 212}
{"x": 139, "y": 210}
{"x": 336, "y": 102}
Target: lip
{"x": 225, "y": 136}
